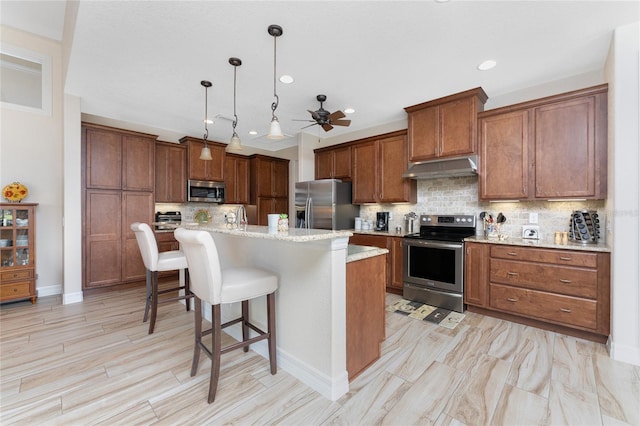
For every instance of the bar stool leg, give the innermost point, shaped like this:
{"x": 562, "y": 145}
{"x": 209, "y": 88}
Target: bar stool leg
{"x": 154, "y": 300}
{"x": 198, "y": 335}
{"x": 216, "y": 337}
{"x": 148, "y": 302}
{"x": 245, "y": 321}
{"x": 186, "y": 289}
{"x": 271, "y": 330}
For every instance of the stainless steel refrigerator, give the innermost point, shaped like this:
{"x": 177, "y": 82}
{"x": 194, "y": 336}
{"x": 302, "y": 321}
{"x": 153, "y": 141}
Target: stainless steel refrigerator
{"x": 325, "y": 204}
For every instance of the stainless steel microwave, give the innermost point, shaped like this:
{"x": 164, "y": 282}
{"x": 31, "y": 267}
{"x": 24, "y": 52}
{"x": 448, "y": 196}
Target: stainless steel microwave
{"x": 205, "y": 191}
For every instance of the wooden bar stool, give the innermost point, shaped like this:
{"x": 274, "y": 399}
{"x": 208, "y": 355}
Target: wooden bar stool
{"x": 158, "y": 262}
{"x": 216, "y": 286}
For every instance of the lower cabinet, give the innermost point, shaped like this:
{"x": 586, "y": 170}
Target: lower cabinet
{"x": 564, "y": 290}
{"x": 365, "y": 312}
{"x": 393, "y": 277}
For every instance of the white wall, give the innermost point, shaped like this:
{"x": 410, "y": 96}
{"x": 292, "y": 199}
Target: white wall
{"x": 623, "y": 205}
{"x": 31, "y": 153}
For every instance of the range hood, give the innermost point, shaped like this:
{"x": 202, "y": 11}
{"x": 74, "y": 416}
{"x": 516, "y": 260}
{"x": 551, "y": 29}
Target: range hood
{"x": 459, "y": 166}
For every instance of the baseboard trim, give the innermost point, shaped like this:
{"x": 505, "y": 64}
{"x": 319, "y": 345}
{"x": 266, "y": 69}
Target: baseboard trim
{"x": 69, "y": 298}
{"x": 50, "y": 290}
{"x": 625, "y": 353}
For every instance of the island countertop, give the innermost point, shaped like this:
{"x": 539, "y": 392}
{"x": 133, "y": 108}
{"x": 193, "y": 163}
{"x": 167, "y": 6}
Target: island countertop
{"x": 263, "y": 232}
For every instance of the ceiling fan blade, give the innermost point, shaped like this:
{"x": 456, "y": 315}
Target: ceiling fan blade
{"x": 341, "y": 122}
{"x": 308, "y": 126}
{"x": 327, "y": 127}
{"x": 336, "y": 115}
{"x": 314, "y": 114}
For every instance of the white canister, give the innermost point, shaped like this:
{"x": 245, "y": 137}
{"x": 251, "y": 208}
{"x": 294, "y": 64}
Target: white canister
{"x": 358, "y": 223}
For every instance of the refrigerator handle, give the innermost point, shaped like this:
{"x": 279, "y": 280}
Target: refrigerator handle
{"x": 308, "y": 213}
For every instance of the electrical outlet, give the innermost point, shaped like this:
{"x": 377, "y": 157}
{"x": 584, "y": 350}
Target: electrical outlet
{"x": 533, "y": 217}
{"x": 531, "y": 232}
{"x": 390, "y": 215}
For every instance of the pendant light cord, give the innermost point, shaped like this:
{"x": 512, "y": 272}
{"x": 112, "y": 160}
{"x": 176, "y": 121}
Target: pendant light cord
{"x": 235, "y": 116}
{"x": 274, "y": 105}
{"x": 206, "y": 129}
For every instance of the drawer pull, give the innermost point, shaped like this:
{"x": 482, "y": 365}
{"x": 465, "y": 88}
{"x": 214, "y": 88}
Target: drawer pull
{"x": 565, "y": 281}
{"x": 513, "y": 274}
{"x": 511, "y": 299}
{"x": 512, "y": 253}
{"x": 565, "y": 258}
{"x": 15, "y": 290}
{"x": 568, "y": 311}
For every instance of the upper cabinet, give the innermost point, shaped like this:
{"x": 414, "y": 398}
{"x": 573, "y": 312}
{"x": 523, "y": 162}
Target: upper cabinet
{"x": 550, "y": 148}
{"x": 236, "y": 179}
{"x": 444, "y": 127}
{"x": 171, "y": 173}
{"x": 333, "y": 162}
{"x": 212, "y": 170}
{"x": 118, "y": 159}
{"x": 269, "y": 176}
{"x": 378, "y": 165}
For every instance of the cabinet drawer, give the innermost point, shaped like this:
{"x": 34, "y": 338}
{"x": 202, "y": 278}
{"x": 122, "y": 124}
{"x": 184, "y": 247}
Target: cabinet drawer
{"x": 15, "y": 290}
{"x": 557, "y": 257}
{"x": 556, "y": 308}
{"x": 16, "y": 275}
{"x": 558, "y": 279}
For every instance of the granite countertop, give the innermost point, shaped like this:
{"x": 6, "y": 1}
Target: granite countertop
{"x": 356, "y": 252}
{"x": 255, "y": 231}
{"x": 390, "y": 233}
{"x": 543, "y": 243}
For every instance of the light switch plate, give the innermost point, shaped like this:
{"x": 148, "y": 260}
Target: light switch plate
{"x": 531, "y": 232}
{"x": 533, "y": 217}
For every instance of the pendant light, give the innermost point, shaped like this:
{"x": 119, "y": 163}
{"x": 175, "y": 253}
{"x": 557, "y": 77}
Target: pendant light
{"x": 275, "y": 132}
{"x": 205, "y": 154}
{"x": 234, "y": 143}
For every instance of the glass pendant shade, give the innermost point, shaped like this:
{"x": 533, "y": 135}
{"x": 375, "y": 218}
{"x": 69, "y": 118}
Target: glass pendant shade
{"x": 275, "y": 132}
{"x": 205, "y": 154}
{"x": 234, "y": 143}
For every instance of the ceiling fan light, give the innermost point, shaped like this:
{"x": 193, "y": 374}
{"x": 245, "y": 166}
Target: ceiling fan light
{"x": 205, "y": 154}
{"x": 234, "y": 143}
{"x": 275, "y": 132}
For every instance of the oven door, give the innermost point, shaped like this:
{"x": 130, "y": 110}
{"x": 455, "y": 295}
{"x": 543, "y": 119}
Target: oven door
{"x": 433, "y": 264}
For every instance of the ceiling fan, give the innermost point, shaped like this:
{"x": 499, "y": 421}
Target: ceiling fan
{"x": 323, "y": 118}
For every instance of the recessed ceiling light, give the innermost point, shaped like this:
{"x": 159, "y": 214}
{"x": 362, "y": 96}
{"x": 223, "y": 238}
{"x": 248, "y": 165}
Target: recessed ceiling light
{"x": 253, "y": 132}
{"x": 349, "y": 111}
{"x": 286, "y": 79}
{"x": 487, "y": 65}
{"x": 441, "y": 1}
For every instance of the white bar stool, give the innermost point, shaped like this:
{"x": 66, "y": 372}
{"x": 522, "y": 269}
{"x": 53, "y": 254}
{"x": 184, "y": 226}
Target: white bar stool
{"x": 216, "y": 286}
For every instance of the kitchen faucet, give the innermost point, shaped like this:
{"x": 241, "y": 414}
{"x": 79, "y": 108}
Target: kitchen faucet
{"x": 241, "y": 216}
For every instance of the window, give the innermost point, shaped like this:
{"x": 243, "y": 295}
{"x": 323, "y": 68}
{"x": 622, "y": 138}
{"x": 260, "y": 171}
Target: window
{"x": 25, "y": 79}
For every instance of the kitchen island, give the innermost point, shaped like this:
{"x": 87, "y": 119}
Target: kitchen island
{"x": 310, "y": 301}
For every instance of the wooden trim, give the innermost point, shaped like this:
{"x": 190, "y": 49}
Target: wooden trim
{"x": 478, "y": 92}
{"x": 374, "y": 138}
{"x": 187, "y": 139}
{"x": 117, "y": 130}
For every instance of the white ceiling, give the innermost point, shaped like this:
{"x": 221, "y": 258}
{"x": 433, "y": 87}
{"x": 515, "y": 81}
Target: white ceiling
{"x": 142, "y": 61}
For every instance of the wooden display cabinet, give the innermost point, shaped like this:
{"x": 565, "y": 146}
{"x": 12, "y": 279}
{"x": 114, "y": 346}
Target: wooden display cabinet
{"x": 18, "y": 251}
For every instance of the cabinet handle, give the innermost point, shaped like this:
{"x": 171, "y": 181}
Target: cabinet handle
{"x": 15, "y": 290}
{"x": 568, "y": 311}
{"x": 512, "y": 253}
{"x": 511, "y": 299}
{"x": 513, "y": 274}
{"x": 565, "y": 258}
{"x": 565, "y": 281}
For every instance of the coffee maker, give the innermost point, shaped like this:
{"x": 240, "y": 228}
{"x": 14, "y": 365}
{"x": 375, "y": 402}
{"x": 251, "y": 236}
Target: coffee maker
{"x": 382, "y": 221}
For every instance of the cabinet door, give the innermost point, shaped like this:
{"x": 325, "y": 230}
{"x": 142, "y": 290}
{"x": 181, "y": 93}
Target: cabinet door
{"x": 236, "y": 179}
{"x": 103, "y": 236}
{"x": 397, "y": 263}
{"x": 263, "y": 177}
{"x": 324, "y": 165}
{"x": 136, "y": 207}
{"x": 212, "y": 170}
{"x": 565, "y": 149}
{"x": 457, "y": 128}
{"x": 476, "y": 270}
{"x": 138, "y": 163}
{"x": 424, "y": 134}
{"x": 365, "y": 169}
{"x": 171, "y": 174}
{"x": 504, "y": 160}
{"x": 342, "y": 163}
{"x": 280, "y": 182}
{"x": 392, "y": 163}
{"x": 230, "y": 166}
{"x": 103, "y": 168}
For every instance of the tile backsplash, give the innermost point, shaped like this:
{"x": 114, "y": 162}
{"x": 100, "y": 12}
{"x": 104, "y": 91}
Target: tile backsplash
{"x": 459, "y": 195}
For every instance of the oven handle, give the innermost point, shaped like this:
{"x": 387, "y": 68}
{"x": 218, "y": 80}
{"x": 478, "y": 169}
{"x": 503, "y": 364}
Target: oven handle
{"x": 429, "y": 243}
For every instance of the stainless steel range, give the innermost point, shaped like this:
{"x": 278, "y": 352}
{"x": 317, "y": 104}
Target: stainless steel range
{"x": 434, "y": 260}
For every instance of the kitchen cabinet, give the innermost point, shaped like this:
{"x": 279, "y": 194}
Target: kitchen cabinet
{"x": 444, "y": 127}
{"x": 171, "y": 173}
{"x": 394, "y": 271}
{"x": 333, "y": 162}
{"x": 110, "y": 203}
{"x": 208, "y": 170}
{"x": 550, "y": 148}
{"x": 18, "y": 251}
{"x": 365, "y": 312}
{"x": 378, "y": 165}
{"x": 236, "y": 179}
{"x": 562, "y": 290}
{"x": 269, "y": 185}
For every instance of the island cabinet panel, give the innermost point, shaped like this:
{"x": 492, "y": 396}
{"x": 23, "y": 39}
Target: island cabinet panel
{"x": 394, "y": 271}
{"x": 378, "y": 165}
{"x": 554, "y": 147}
{"x": 236, "y": 179}
{"x": 171, "y": 173}
{"x": 444, "y": 127}
{"x": 562, "y": 290}
{"x": 333, "y": 162}
{"x": 365, "y": 312}
{"x": 207, "y": 170}
{"x": 110, "y": 252}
